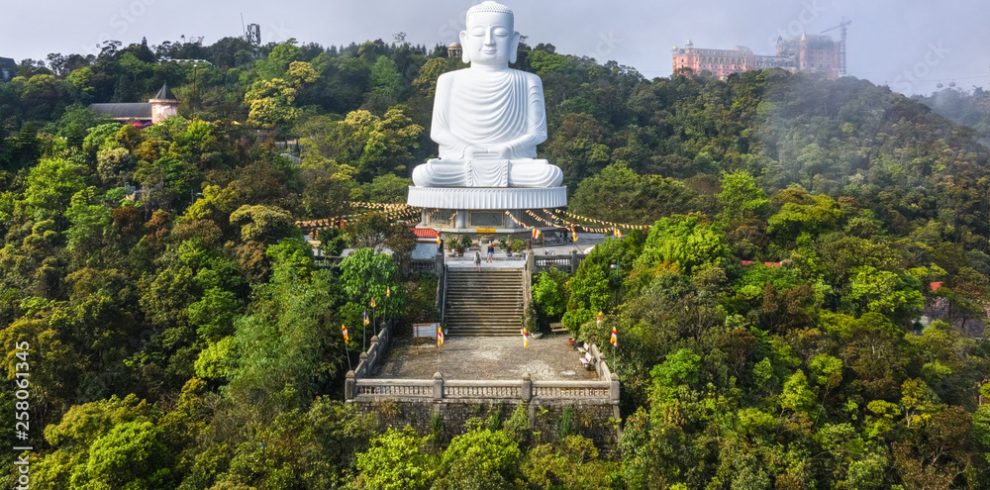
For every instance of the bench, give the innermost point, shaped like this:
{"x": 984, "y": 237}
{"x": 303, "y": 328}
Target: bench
{"x": 588, "y": 361}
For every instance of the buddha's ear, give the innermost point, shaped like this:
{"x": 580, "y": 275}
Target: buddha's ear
{"x": 465, "y": 57}
{"x": 514, "y": 47}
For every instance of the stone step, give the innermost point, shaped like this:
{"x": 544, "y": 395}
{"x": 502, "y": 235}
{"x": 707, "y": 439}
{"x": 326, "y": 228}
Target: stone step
{"x": 482, "y": 309}
{"x": 486, "y": 302}
{"x": 471, "y": 317}
{"x": 483, "y": 283}
{"x": 488, "y": 322}
{"x": 508, "y": 300}
{"x": 482, "y": 297}
{"x": 464, "y": 313}
{"x": 482, "y": 333}
{"x": 508, "y": 282}
{"x": 515, "y": 329}
{"x": 483, "y": 275}
{"x": 474, "y": 319}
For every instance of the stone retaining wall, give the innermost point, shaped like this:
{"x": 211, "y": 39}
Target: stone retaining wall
{"x": 548, "y": 420}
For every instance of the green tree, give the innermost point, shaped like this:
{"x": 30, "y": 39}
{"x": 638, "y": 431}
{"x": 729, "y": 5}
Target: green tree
{"x": 131, "y": 455}
{"x": 683, "y": 241}
{"x": 285, "y": 344}
{"x": 365, "y": 275}
{"x": 480, "y": 459}
{"x": 885, "y": 292}
{"x": 550, "y": 293}
{"x": 271, "y": 103}
{"x": 396, "y": 460}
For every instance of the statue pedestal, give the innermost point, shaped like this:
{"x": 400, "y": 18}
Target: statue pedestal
{"x": 488, "y": 198}
{"x": 482, "y": 210}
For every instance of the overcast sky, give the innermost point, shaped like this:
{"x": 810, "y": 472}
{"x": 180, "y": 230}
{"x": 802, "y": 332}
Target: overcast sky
{"x": 911, "y": 45}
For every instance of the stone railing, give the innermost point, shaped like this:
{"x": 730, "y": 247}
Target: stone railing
{"x": 527, "y": 284}
{"x": 524, "y": 390}
{"x": 371, "y": 358}
{"x": 427, "y": 266}
{"x": 358, "y": 387}
{"x": 442, "y": 290}
{"x": 567, "y": 263}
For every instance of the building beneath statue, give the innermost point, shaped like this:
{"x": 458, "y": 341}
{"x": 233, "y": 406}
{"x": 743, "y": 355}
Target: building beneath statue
{"x": 159, "y": 108}
{"x": 475, "y": 221}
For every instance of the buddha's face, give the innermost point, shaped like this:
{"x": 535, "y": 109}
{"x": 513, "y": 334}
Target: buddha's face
{"x": 490, "y": 39}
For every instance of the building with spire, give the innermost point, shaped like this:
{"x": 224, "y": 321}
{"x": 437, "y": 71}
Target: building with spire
{"x": 808, "y": 54}
{"x": 159, "y": 108}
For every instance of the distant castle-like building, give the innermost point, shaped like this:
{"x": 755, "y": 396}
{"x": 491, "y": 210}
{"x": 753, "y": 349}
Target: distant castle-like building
{"x": 161, "y": 107}
{"x": 808, "y": 53}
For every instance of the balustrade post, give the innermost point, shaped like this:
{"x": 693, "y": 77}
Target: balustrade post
{"x": 613, "y": 389}
{"x": 526, "y": 393}
{"x": 574, "y": 261}
{"x": 350, "y": 385}
{"x": 362, "y": 368}
{"x": 437, "y": 386}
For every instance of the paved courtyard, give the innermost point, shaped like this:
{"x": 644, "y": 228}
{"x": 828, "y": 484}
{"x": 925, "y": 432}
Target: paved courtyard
{"x": 547, "y": 358}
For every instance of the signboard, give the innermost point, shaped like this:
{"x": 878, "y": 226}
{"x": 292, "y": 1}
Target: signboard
{"x": 425, "y": 330}
{"x": 485, "y": 230}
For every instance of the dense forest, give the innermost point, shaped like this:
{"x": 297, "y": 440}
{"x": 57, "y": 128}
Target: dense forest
{"x": 806, "y": 310}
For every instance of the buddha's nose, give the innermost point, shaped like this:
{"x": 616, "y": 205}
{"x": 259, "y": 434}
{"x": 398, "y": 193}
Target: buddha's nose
{"x": 489, "y": 38}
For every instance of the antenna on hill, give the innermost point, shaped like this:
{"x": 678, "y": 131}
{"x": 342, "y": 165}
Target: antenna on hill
{"x": 252, "y": 32}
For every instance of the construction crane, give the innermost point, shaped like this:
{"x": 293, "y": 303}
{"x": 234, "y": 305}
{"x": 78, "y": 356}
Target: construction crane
{"x": 843, "y": 25}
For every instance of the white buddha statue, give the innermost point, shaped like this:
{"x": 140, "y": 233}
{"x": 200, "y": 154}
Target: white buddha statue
{"x": 488, "y": 118}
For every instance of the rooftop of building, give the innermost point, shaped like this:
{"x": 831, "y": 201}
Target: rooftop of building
{"x": 124, "y": 110}
{"x": 164, "y": 93}
{"x": 133, "y": 110}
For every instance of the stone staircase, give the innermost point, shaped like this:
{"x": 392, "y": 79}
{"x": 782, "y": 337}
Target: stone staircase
{"x": 484, "y": 303}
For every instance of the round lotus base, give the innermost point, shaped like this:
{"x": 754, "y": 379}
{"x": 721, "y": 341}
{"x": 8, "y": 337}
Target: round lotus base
{"x": 487, "y": 198}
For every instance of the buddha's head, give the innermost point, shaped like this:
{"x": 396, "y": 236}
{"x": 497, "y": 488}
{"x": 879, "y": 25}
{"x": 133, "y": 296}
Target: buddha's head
{"x": 490, "y": 39}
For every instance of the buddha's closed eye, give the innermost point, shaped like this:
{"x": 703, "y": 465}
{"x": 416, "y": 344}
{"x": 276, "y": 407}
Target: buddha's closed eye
{"x": 498, "y": 32}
